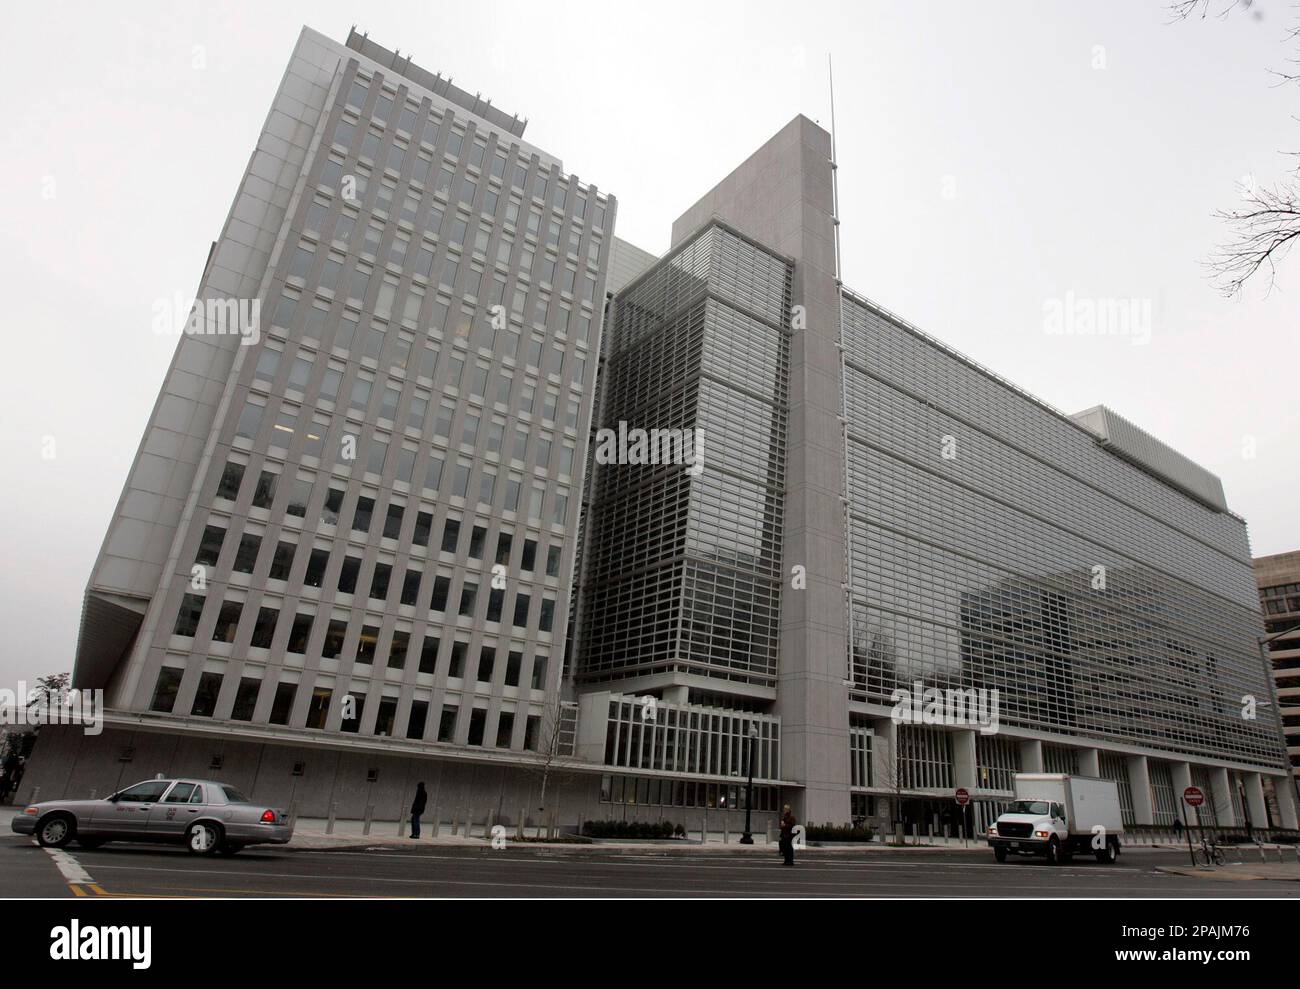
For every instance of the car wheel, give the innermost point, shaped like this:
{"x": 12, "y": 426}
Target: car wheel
{"x": 203, "y": 838}
{"x": 1000, "y": 854}
{"x": 90, "y": 844}
{"x": 1053, "y": 852}
{"x": 55, "y": 831}
{"x": 229, "y": 848}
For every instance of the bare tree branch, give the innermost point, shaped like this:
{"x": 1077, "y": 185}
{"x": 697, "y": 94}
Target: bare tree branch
{"x": 1264, "y": 231}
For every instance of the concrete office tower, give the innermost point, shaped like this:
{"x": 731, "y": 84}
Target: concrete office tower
{"x": 300, "y": 585}
{"x": 893, "y": 517}
{"x": 1279, "y": 592}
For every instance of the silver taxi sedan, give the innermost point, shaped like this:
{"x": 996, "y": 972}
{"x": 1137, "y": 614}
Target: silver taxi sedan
{"x": 208, "y": 817}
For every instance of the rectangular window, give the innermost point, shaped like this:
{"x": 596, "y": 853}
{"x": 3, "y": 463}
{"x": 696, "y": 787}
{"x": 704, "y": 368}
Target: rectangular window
{"x": 429, "y": 655}
{"x": 264, "y": 493}
{"x": 231, "y": 478}
{"x": 316, "y": 564}
{"x": 348, "y": 574}
{"x": 468, "y": 598}
{"x": 379, "y": 582}
{"x": 411, "y": 586}
{"x": 210, "y": 545}
{"x": 456, "y": 668}
{"x": 522, "y": 603}
{"x": 505, "y": 729}
{"x": 447, "y": 723}
{"x": 393, "y": 522}
{"x": 538, "y": 681}
{"x": 419, "y": 717}
{"x": 361, "y": 517}
{"x": 398, "y": 649}
{"x": 487, "y": 660}
{"x": 187, "y": 619}
{"x": 283, "y": 705}
{"x": 367, "y": 644}
{"x": 165, "y": 690}
{"x": 477, "y": 725}
{"x": 300, "y": 634}
{"x": 423, "y": 529}
{"x": 450, "y": 535}
{"x": 477, "y": 539}
{"x": 282, "y": 562}
{"x": 227, "y": 621}
{"x": 441, "y": 590}
{"x": 264, "y": 628}
{"x": 245, "y": 699}
{"x": 514, "y": 664}
{"x": 334, "y": 636}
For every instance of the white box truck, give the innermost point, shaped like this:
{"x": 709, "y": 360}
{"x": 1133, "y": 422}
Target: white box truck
{"x": 1055, "y": 816}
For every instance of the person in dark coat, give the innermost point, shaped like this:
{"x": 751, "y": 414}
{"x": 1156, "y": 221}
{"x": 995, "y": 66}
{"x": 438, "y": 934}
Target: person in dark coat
{"x": 787, "y": 835}
{"x": 417, "y": 808}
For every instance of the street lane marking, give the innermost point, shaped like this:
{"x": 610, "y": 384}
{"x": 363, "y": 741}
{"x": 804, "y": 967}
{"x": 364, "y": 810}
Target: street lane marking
{"x": 73, "y": 874}
{"x": 76, "y": 890}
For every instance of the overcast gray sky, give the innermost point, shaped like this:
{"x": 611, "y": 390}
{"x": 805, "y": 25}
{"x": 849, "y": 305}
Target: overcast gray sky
{"x": 993, "y": 158}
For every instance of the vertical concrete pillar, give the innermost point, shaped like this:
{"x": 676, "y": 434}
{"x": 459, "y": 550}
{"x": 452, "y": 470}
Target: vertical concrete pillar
{"x": 1256, "y": 811}
{"x": 964, "y": 763}
{"x": 1031, "y": 755}
{"x": 1139, "y": 784}
{"x": 1286, "y": 800}
{"x": 1181, "y": 772}
{"x": 1089, "y": 762}
{"x": 1224, "y": 810}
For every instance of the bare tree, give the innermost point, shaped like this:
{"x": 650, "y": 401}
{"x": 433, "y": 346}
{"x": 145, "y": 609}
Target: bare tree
{"x": 555, "y": 767}
{"x": 891, "y": 778}
{"x": 1266, "y": 227}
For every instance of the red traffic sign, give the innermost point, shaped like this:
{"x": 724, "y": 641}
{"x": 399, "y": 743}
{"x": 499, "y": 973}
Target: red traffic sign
{"x": 1194, "y": 796}
{"x": 963, "y": 796}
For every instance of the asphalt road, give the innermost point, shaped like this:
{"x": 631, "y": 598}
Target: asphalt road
{"x": 143, "y": 870}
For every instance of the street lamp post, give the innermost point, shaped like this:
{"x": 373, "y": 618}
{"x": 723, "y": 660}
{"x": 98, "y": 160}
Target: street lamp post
{"x": 748, "y": 838}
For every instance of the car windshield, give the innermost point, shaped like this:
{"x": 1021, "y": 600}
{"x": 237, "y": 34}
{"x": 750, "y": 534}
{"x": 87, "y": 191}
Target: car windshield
{"x": 1028, "y": 807}
{"x": 233, "y": 796}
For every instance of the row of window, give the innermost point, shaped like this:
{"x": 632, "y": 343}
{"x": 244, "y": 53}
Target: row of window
{"x": 351, "y": 708}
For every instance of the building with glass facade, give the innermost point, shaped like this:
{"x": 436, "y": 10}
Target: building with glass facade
{"x": 376, "y": 544}
{"x": 1278, "y": 577}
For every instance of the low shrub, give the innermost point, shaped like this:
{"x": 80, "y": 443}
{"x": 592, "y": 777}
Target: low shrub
{"x": 633, "y": 829}
{"x": 838, "y": 832}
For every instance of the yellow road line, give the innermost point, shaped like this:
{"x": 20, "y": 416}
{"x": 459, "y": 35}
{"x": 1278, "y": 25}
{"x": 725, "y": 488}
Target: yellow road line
{"x": 99, "y": 890}
{"x": 76, "y": 890}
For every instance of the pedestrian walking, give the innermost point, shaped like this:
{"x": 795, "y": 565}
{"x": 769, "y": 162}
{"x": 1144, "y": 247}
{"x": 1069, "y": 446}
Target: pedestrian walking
{"x": 417, "y": 809}
{"x": 787, "y": 835}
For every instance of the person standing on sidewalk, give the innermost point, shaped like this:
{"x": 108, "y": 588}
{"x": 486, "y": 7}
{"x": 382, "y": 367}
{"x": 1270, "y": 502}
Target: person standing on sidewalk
{"x": 787, "y": 835}
{"x": 417, "y": 808}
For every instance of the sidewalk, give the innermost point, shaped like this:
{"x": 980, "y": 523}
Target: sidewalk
{"x": 1287, "y": 872}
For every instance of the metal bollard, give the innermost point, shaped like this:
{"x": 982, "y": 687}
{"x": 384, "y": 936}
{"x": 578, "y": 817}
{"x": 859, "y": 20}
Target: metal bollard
{"x": 726, "y": 831}
{"x": 370, "y": 811}
{"x": 401, "y": 826}
{"x": 329, "y": 821}
{"x": 519, "y": 830}
{"x": 915, "y": 840}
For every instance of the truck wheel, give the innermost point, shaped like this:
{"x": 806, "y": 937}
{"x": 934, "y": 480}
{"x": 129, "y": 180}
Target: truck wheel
{"x": 1109, "y": 853}
{"x": 1000, "y": 854}
{"x": 1053, "y": 852}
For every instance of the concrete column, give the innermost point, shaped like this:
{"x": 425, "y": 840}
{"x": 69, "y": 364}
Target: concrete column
{"x": 1089, "y": 762}
{"x": 1181, "y": 772}
{"x": 1223, "y": 807}
{"x": 964, "y": 763}
{"x": 1139, "y": 783}
{"x": 1031, "y": 755}
{"x": 677, "y": 694}
{"x": 1286, "y": 800}
{"x": 1255, "y": 808}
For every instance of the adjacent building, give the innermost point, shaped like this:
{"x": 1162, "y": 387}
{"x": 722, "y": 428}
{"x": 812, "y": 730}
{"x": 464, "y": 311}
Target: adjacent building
{"x": 378, "y": 543}
{"x": 1279, "y": 598}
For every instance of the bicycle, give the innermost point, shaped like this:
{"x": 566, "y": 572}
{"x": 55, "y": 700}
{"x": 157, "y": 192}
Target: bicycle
{"x": 1209, "y": 853}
